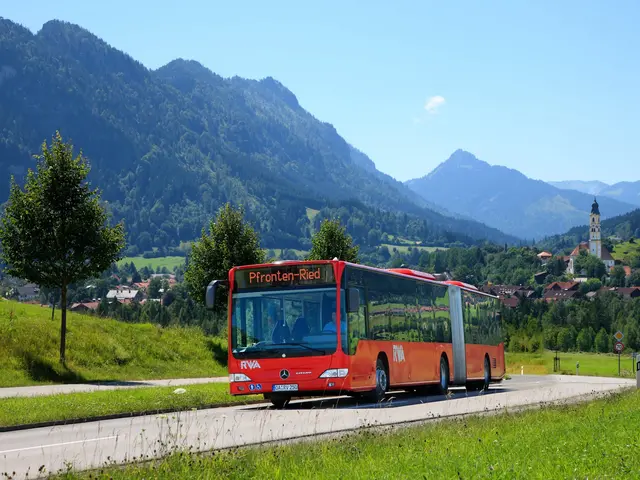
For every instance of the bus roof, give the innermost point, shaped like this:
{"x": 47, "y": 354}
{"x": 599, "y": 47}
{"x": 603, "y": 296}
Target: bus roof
{"x": 461, "y": 284}
{"x": 413, "y": 273}
{"x": 402, "y": 272}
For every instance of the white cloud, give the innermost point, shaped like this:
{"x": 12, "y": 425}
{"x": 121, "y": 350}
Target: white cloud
{"x": 434, "y": 103}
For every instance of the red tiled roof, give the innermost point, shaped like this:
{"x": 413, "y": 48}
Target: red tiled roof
{"x": 582, "y": 246}
{"x": 89, "y": 305}
{"x": 561, "y": 286}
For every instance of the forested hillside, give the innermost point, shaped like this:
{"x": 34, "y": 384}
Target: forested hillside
{"x": 168, "y": 147}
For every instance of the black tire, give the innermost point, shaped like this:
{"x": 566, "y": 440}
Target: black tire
{"x": 487, "y": 374}
{"x": 443, "y": 386}
{"x": 279, "y": 401}
{"x": 382, "y": 383}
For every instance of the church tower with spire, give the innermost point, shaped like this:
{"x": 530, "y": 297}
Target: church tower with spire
{"x": 594, "y": 246}
{"x": 595, "y": 239}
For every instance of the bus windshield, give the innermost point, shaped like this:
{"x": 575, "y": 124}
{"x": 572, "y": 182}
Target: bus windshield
{"x": 288, "y": 322}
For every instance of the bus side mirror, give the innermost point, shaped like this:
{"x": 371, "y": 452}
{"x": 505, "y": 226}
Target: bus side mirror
{"x": 210, "y": 294}
{"x": 353, "y": 300}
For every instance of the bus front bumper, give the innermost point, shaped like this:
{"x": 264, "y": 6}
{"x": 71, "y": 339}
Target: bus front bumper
{"x": 293, "y": 387}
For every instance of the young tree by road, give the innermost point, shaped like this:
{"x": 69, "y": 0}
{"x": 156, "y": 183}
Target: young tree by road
{"x": 231, "y": 242}
{"x": 55, "y": 232}
{"x": 332, "y": 241}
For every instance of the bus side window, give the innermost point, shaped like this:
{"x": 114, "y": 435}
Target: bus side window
{"x": 356, "y": 326}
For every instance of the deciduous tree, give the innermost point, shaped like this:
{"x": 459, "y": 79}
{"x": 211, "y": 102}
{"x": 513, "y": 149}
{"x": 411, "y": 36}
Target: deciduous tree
{"x": 55, "y": 232}
{"x": 332, "y": 241}
{"x": 230, "y": 242}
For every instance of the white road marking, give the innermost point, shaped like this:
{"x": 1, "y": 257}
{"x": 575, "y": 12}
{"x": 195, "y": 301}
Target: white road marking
{"x": 58, "y": 444}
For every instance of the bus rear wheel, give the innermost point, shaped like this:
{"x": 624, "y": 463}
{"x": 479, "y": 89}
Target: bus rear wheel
{"x": 487, "y": 374}
{"x": 443, "y": 386}
{"x": 486, "y": 378}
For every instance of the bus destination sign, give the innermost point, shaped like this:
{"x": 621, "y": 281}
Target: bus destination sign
{"x": 285, "y": 276}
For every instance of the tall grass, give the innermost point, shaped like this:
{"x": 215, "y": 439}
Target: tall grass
{"x": 99, "y": 349}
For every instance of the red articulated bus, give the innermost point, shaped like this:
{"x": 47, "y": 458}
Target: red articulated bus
{"x": 318, "y": 328}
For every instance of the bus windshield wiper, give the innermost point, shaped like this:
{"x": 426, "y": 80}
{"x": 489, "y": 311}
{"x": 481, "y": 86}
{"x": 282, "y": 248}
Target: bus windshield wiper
{"x": 298, "y": 344}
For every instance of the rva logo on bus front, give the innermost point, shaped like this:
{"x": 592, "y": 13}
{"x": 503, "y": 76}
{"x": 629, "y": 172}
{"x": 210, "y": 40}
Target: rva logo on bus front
{"x": 398, "y": 353}
{"x": 249, "y": 364}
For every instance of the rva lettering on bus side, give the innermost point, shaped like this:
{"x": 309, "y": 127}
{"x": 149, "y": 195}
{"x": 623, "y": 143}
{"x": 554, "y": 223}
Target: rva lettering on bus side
{"x": 249, "y": 364}
{"x": 398, "y": 353}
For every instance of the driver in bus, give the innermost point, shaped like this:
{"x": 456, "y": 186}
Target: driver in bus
{"x": 279, "y": 329}
{"x": 330, "y": 326}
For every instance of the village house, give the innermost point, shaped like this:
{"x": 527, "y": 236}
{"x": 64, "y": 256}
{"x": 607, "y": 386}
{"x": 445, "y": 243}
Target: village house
{"x": 540, "y": 277}
{"x": 124, "y": 295}
{"x": 169, "y": 277}
{"x": 84, "y": 306}
{"x": 561, "y": 291}
{"x": 629, "y": 292}
{"x": 142, "y": 285}
{"x": 558, "y": 286}
{"x": 509, "y": 295}
{"x": 28, "y": 292}
{"x": 555, "y": 295}
{"x": 545, "y": 257}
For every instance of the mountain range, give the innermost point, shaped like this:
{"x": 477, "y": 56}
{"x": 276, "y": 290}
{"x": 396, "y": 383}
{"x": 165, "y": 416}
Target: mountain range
{"x": 628, "y": 192}
{"x": 508, "y": 200}
{"x": 169, "y": 146}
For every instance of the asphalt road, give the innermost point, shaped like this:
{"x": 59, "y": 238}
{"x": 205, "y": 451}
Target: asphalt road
{"x": 91, "y": 445}
{"x": 92, "y": 387}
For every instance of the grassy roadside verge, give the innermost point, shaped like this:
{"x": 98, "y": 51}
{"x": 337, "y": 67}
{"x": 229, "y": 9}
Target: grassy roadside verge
{"x": 100, "y": 349}
{"x": 595, "y": 364}
{"x": 74, "y": 406}
{"x": 593, "y": 440}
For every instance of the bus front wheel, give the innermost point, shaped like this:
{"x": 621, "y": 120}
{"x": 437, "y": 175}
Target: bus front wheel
{"x": 382, "y": 382}
{"x": 279, "y": 401}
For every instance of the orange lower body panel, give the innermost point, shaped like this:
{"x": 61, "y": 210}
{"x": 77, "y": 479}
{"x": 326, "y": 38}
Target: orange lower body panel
{"x": 408, "y": 364}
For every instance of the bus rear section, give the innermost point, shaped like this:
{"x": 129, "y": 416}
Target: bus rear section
{"x": 426, "y": 334}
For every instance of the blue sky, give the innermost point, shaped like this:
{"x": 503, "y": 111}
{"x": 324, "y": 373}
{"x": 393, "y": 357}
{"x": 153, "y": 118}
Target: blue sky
{"x": 549, "y": 88}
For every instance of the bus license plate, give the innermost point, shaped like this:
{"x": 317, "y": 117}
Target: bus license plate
{"x": 285, "y": 388}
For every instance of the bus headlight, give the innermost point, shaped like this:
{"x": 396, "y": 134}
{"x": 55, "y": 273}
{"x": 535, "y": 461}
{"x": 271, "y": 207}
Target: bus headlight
{"x": 238, "y": 377}
{"x": 335, "y": 373}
